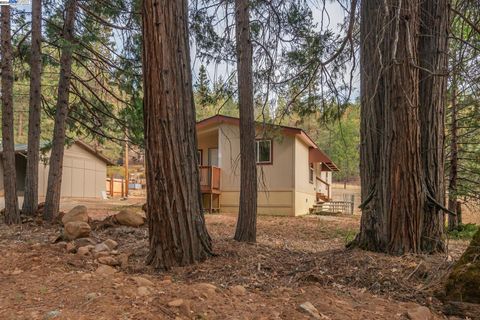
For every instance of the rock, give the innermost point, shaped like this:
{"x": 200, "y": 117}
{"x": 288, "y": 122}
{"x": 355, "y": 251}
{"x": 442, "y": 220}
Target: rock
{"x": 123, "y": 258}
{"x": 463, "y": 284}
{"x": 98, "y": 255}
{"x": 83, "y": 251}
{"x": 129, "y": 218}
{"x": 143, "y": 291}
{"x": 77, "y": 214}
{"x": 206, "y": 287}
{"x": 86, "y": 276}
{"x": 101, "y": 247}
{"x": 142, "y": 282}
{"x": 109, "y": 260}
{"x": 62, "y": 245}
{"x": 176, "y": 303}
{"x": 112, "y": 244}
{"x": 105, "y": 270}
{"x": 16, "y": 272}
{"x": 71, "y": 247}
{"x": 420, "y": 313}
{"x": 77, "y": 229}
{"x": 238, "y": 290}
{"x": 310, "y": 309}
{"x": 82, "y": 242}
{"x": 92, "y": 296}
{"x": 166, "y": 282}
{"x": 52, "y": 315}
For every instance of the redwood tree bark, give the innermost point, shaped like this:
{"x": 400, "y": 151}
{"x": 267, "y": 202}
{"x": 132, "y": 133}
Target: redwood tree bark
{"x": 52, "y": 201}
{"x": 453, "y": 174}
{"x": 433, "y": 60}
{"x": 392, "y": 192}
{"x": 177, "y": 230}
{"x": 12, "y": 214}
{"x": 30, "y": 202}
{"x": 247, "y": 216}
{"x": 403, "y": 87}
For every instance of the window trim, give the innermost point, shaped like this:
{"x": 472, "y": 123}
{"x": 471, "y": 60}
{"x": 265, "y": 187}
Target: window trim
{"x": 311, "y": 172}
{"x": 257, "y": 144}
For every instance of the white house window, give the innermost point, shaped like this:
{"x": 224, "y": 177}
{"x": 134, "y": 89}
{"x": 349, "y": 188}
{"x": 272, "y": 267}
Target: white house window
{"x": 311, "y": 172}
{"x": 264, "y": 151}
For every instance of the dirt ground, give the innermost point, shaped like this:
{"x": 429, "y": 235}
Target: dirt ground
{"x": 296, "y": 260}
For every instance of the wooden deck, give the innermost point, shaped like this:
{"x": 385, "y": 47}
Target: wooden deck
{"x": 210, "y": 187}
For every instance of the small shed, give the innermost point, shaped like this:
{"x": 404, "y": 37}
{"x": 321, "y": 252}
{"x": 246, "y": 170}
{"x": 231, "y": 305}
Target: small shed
{"x": 84, "y": 171}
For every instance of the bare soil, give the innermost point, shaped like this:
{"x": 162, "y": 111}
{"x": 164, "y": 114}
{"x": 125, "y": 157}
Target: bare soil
{"x": 295, "y": 260}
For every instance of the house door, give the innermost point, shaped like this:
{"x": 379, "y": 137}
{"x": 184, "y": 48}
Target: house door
{"x": 213, "y": 157}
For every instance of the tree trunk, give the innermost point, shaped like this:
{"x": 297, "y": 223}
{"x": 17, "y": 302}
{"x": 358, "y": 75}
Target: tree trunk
{"x": 247, "y": 216}
{"x": 12, "y": 214}
{"x": 52, "y": 201}
{"x": 433, "y": 60}
{"x": 177, "y": 230}
{"x": 453, "y": 174}
{"x": 30, "y": 202}
{"x": 459, "y": 212}
{"x": 392, "y": 193}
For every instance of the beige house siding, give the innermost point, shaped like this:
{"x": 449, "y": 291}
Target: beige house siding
{"x": 305, "y": 194}
{"x": 284, "y": 186}
{"x": 275, "y": 181}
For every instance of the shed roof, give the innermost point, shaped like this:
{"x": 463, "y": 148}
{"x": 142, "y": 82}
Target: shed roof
{"x": 315, "y": 153}
{"x": 22, "y": 148}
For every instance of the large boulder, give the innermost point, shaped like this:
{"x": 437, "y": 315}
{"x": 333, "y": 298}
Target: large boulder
{"x": 77, "y": 214}
{"x": 76, "y": 229}
{"x": 129, "y": 218}
{"x": 463, "y": 284}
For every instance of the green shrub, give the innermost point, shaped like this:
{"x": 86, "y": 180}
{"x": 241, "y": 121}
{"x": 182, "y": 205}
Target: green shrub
{"x": 464, "y": 231}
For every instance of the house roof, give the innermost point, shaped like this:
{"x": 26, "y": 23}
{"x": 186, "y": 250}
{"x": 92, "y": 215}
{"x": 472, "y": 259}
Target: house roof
{"x": 21, "y": 148}
{"x": 315, "y": 153}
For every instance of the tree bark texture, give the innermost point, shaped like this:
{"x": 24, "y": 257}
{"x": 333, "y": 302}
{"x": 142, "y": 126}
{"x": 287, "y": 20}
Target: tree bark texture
{"x": 403, "y": 90}
{"x": 52, "y": 201}
{"x": 433, "y": 60}
{"x": 392, "y": 192}
{"x": 30, "y": 202}
{"x": 453, "y": 173}
{"x": 246, "y": 229}
{"x": 177, "y": 230}
{"x": 12, "y": 213}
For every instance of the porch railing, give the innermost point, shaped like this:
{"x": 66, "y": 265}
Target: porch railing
{"x": 323, "y": 185}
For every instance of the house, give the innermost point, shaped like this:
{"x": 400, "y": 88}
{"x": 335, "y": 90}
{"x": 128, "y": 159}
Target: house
{"x": 84, "y": 172}
{"x": 293, "y": 173}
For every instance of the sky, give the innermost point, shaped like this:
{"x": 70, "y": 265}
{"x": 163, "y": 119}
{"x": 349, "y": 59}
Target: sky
{"x": 333, "y": 9}
{"x": 335, "y": 12}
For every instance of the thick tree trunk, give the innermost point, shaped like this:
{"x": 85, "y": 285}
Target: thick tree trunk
{"x": 392, "y": 193}
{"x": 453, "y": 174}
{"x": 12, "y": 213}
{"x": 247, "y": 216}
{"x": 177, "y": 230}
{"x": 52, "y": 201}
{"x": 30, "y": 202}
{"x": 433, "y": 60}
